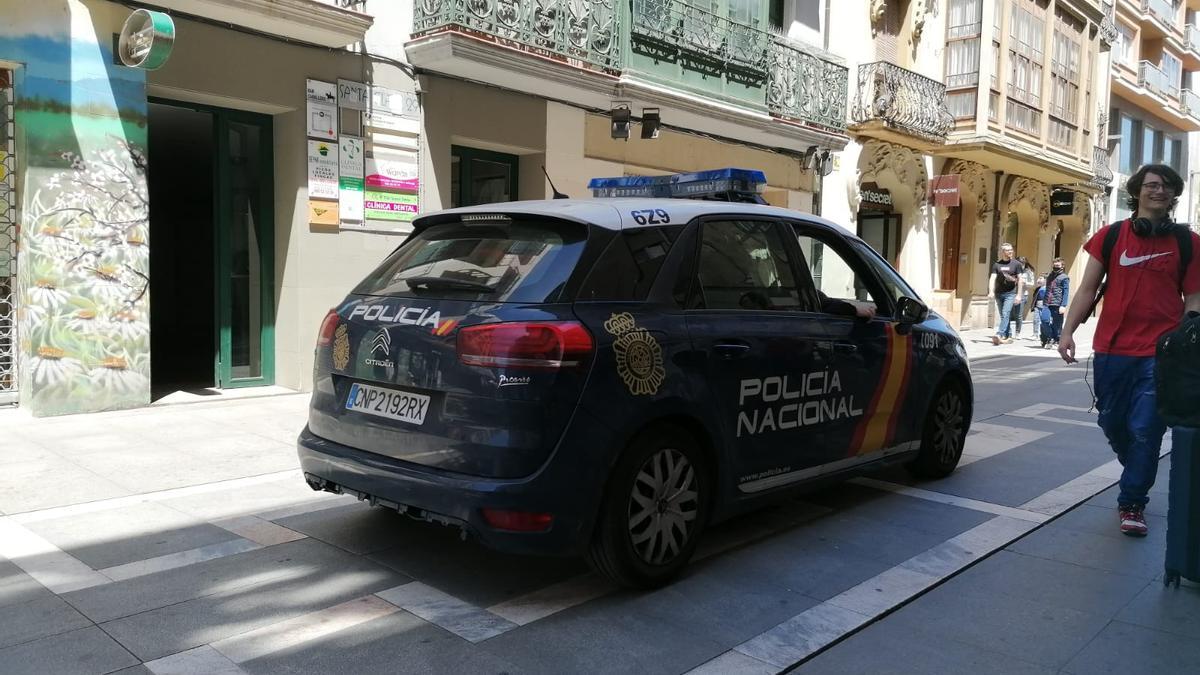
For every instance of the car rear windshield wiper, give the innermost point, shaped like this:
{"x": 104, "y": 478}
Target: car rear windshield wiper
{"x": 444, "y": 283}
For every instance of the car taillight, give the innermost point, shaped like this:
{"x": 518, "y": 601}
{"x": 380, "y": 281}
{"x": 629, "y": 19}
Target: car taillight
{"x": 327, "y": 327}
{"x": 542, "y": 344}
{"x": 518, "y": 521}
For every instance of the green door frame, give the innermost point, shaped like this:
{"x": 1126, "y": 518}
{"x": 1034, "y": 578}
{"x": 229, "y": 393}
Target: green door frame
{"x": 222, "y": 249}
{"x": 466, "y": 154}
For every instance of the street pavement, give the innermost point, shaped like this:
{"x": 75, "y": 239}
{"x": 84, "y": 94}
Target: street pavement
{"x": 182, "y": 539}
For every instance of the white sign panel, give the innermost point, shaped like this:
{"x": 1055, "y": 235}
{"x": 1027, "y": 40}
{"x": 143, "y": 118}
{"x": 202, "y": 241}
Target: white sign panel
{"x": 352, "y": 94}
{"x": 322, "y": 170}
{"x": 322, "y": 110}
{"x": 350, "y": 183}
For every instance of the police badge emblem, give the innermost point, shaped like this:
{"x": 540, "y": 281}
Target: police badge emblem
{"x": 341, "y": 347}
{"x": 639, "y": 356}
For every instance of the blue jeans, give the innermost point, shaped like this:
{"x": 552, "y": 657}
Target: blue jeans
{"x": 1018, "y": 315}
{"x": 1129, "y": 417}
{"x": 1056, "y": 324}
{"x": 1004, "y": 305}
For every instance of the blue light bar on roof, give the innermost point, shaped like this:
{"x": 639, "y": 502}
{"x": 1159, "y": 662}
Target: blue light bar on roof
{"x": 696, "y": 185}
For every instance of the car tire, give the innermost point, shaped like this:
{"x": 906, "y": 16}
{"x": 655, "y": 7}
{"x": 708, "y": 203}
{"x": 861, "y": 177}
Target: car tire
{"x": 944, "y": 433}
{"x": 654, "y": 510}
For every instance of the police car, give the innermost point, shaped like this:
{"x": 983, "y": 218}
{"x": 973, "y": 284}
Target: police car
{"x": 607, "y": 377}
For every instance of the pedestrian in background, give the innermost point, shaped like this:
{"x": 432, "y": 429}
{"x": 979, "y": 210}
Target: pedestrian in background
{"x": 1058, "y": 292}
{"x": 1039, "y": 306}
{"x": 1004, "y": 286}
{"x": 1150, "y": 283}
{"x": 1024, "y": 299}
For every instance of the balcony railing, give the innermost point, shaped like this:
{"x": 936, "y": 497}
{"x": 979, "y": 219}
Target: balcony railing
{"x": 903, "y": 99}
{"x": 1156, "y": 81}
{"x": 1101, "y": 174}
{"x": 1108, "y": 27}
{"x": 805, "y": 86}
{"x": 586, "y": 33}
{"x": 1190, "y": 102}
{"x": 1163, "y": 10}
{"x": 1192, "y": 38}
{"x": 787, "y": 78}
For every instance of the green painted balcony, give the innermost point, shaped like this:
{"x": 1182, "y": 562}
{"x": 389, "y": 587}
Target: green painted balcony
{"x": 709, "y": 52}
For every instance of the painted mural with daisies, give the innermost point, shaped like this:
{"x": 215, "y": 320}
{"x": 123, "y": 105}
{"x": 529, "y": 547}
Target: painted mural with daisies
{"x": 83, "y": 269}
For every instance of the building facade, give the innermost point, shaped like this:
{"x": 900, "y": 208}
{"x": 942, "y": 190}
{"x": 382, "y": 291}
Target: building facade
{"x": 1155, "y": 106}
{"x": 992, "y": 104}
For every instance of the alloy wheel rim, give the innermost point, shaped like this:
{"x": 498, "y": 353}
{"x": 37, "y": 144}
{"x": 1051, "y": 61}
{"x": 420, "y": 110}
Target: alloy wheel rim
{"x": 663, "y": 506}
{"x": 948, "y": 426}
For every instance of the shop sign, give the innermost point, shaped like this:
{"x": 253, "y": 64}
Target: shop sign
{"x": 322, "y": 170}
{"x": 322, "y": 110}
{"x": 390, "y": 206}
{"x": 875, "y": 198}
{"x": 1062, "y": 203}
{"x": 321, "y": 212}
{"x": 943, "y": 190}
{"x": 394, "y": 110}
{"x": 398, "y": 175}
{"x": 146, "y": 39}
{"x": 350, "y": 178}
{"x": 352, "y": 94}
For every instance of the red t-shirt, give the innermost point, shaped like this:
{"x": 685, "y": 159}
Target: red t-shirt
{"x": 1142, "y": 301}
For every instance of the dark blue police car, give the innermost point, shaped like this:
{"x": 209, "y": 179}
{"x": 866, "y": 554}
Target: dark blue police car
{"x": 606, "y": 377}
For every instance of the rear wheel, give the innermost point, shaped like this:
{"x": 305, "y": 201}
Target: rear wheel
{"x": 657, "y": 503}
{"x": 944, "y": 434}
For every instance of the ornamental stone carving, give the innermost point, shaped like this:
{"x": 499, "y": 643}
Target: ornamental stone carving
{"x": 907, "y": 164}
{"x": 1036, "y": 193}
{"x": 972, "y": 178}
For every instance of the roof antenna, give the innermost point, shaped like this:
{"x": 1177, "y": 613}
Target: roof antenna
{"x": 557, "y": 194}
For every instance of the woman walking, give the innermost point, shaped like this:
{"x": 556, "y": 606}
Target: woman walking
{"x": 1025, "y": 300}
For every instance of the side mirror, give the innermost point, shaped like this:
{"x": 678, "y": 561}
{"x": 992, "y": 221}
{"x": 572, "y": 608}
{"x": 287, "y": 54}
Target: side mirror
{"x": 910, "y": 310}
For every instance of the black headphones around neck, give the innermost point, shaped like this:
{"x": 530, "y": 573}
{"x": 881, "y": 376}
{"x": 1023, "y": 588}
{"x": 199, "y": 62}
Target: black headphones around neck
{"x": 1144, "y": 227}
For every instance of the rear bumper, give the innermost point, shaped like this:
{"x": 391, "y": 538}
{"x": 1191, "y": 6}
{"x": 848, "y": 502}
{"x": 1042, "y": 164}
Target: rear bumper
{"x": 570, "y": 486}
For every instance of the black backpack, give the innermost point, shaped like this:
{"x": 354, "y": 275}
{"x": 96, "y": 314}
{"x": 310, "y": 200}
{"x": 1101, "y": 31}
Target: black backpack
{"x": 1183, "y": 236}
{"x": 1177, "y": 373}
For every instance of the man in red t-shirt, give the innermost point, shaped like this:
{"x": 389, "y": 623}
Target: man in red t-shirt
{"x": 1147, "y": 294}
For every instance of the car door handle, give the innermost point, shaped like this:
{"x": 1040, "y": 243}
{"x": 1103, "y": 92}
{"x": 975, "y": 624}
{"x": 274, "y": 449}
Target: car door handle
{"x": 731, "y": 350}
{"x": 845, "y": 348}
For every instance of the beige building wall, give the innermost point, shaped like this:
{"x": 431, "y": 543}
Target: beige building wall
{"x": 314, "y": 266}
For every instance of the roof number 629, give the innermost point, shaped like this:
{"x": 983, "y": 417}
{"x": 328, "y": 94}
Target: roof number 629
{"x": 651, "y": 217}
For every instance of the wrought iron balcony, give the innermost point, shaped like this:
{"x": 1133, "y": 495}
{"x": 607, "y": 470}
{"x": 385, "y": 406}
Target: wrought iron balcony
{"x": 587, "y": 33}
{"x": 670, "y": 42}
{"x": 1190, "y": 102}
{"x": 1108, "y": 27}
{"x": 1154, "y": 80}
{"x": 902, "y": 99}
{"x": 1101, "y": 174}
{"x": 806, "y": 86}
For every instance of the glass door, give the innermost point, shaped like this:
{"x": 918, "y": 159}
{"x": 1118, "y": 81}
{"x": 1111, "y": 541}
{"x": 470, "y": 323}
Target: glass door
{"x": 245, "y": 250}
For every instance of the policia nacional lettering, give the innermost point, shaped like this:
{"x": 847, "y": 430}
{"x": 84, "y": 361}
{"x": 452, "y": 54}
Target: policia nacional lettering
{"x": 818, "y": 398}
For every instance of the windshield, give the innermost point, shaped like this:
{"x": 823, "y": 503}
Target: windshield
{"x": 503, "y": 262}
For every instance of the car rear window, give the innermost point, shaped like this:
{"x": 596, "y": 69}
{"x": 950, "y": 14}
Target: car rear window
{"x": 520, "y": 261}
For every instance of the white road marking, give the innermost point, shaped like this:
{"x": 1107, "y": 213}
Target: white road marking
{"x": 802, "y": 635}
{"x": 258, "y": 530}
{"x": 553, "y": 599}
{"x": 161, "y": 495}
{"x": 176, "y": 560}
{"x": 293, "y": 632}
{"x": 465, "y": 620}
{"x": 199, "y": 661}
{"x": 952, "y": 500}
{"x": 988, "y": 440}
{"x": 1040, "y": 411}
{"x": 48, "y": 564}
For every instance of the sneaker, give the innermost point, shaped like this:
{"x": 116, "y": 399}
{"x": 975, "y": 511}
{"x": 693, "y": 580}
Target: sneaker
{"x": 1133, "y": 523}
{"x": 1007, "y": 341}
{"x": 995, "y": 339}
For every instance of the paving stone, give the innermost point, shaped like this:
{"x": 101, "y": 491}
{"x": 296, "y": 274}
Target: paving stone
{"x": 1171, "y": 610}
{"x": 123, "y": 535}
{"x": 1124, "y": 648}
{"x": 890, "y": 508}
{"x": 87, "y": 651}
{"x": 356, "y": 527}
{"x": 179, "y": 627}
{"x": 17, "y": 587}
{"x": 42, "y": 484}
{"x": 1112, "y": 551}
{"x": 263, "y": 567}
{"x": 36, "y": 619}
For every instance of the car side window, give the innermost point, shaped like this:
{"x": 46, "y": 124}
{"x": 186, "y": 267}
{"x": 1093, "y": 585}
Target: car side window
{"x": 894, "y": 286}
{"x": 744, "y": 264}
{"x": 837, "y": 272}
{"x": 629, "y": 265}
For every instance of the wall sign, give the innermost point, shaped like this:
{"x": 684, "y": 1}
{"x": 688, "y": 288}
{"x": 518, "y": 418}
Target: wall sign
{"x": 350, "y": 180}
{"x": 322, "y": 110}
{"x": 352, "y": 94}
{"x": 875, "y": 198}
{"x": 146, "y": 39}
{"x": 322, "y": 170}
{"x": 1062, "y": 203}
{"x": 943, "y": 190}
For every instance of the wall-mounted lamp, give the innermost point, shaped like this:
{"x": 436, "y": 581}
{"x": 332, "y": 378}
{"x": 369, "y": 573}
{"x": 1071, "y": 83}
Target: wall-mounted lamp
{"x": 818, "y": 160}
{"x": 620, "y": 116}
{"x": 651, "y": 123}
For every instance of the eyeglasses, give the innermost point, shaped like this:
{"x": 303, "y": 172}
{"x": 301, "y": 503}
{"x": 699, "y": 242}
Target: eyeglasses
{"x": 1155, "y": 187}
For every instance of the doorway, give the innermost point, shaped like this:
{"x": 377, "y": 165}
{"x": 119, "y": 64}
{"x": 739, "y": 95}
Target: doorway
{"x": 950, "y": 242}
{"x": 211, "y": 258}
{"x": 881, "y": 231}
